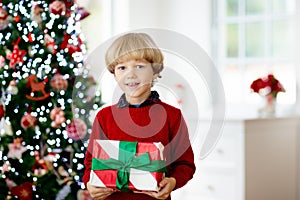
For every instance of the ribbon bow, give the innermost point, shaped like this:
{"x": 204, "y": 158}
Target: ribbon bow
{"x": 127, "y": 160}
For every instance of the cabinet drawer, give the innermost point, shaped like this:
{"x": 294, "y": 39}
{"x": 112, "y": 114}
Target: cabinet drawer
{"x": 218, "y": 185}
{"x": 224, "y": 153}
{"x": 210, "y": 184}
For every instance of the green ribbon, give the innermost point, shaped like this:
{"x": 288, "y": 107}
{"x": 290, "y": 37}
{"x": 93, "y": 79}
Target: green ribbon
{"x": 127, "y": 160}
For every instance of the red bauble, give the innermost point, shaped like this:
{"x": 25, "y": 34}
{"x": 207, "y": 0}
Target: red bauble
{"x": 57, "y": 7}
{"x": 77, "y": 129}
{"x": 28, "y": 121}
{"x": 58, "y": 82}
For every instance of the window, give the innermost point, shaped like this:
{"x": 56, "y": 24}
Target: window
{"x": 254, "y": 38}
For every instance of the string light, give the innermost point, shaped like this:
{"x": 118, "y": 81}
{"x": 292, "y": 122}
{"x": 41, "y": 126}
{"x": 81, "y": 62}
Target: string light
{"x": 44, "y": 63}
{"x": 58, "y": 131}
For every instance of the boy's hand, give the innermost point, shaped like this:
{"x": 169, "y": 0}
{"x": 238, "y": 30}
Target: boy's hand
{"x": 166, "y": 187}
{"x": 99, "y": 193}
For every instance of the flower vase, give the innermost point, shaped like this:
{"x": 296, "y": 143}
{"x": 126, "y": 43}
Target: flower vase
{"x": 269, "y": 107}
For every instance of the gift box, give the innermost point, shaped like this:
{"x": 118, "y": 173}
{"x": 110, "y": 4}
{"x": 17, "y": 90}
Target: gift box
{"x": 127, "y": 165}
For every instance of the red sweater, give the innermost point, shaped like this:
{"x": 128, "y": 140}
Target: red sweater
{"x": 158, "y": 122}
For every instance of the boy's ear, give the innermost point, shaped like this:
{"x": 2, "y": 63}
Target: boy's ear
{"x": 155, "y": 76}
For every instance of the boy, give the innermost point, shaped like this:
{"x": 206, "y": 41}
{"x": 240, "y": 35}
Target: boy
{"x": 136, "y": 62}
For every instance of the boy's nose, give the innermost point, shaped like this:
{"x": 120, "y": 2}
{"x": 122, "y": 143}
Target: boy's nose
{"x": 131, "y": 73}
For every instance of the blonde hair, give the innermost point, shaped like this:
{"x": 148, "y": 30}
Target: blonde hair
{"x": 134, "y": 46}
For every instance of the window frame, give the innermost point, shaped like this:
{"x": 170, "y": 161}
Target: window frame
{"x": 219, "y": 47}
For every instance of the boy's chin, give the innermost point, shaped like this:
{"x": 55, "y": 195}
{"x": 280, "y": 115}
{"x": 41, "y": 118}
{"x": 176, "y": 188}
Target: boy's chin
{"x": 135, "y": 95}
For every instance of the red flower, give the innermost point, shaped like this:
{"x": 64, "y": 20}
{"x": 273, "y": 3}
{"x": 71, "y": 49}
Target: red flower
{"x": 257, "y": 85}
{"x": 270, "y": 83}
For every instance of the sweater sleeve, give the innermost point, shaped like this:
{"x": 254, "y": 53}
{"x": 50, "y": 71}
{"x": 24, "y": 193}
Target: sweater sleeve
{"x": 95, "y": 134}
{"x": 181, "y": 163}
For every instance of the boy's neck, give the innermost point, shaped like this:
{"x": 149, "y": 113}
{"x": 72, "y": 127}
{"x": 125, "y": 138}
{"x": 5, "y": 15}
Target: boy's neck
{"x": 137, "y": 100}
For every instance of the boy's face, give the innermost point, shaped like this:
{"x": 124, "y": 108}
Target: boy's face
{"x": 135, "y": 78}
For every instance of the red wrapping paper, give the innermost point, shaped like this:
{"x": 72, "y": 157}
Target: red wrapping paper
{"x": 138, "y": 180}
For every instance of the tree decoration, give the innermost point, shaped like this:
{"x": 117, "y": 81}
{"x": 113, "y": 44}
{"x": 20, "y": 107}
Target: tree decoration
{"x": 64, "y": 175}
{"x": 30, "y": 38}
{"x": 58, "y": 82}
{"x": 36, "y": 89}
{"x": 16, "y": 56}
{"x": 28, "y": 121}
{"x": 24, "y": 191}
{"x": 69, "y": 4}
{"x": 71, "y": 45}
{"x": 57, "y": 7}
{"x": 16, "y": 18}
{"x": 4, "y": 19}
{"x": 77, "y": 129}
{"x": 1, "y": 111}
{"x": 49, "y": 159}
{"x": 12, "y": 87}
{"x": 83, "y": 13}
{"x": 16, "y": 149}
{"x": 50, "y": 44}
{"x": 39, "y": 168}
{"x": 36, "y": 11}
{"x": 44, "y": 86}
{"x": 10, "y": 184}
{"x": 63, "y": 193}
{"x": 58, "y": 117}
{"x": 6, "y": 127}
{"x": 2, "y": 61}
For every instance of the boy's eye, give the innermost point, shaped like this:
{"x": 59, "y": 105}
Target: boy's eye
{"x": 139, "y": 66}
{"x": 121, "y": 68}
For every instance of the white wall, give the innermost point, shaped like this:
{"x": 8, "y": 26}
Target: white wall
{"x": 97, "y": 26}
{"x": 191, "y": 18}
{"x": 297, "y": 57}
{"x": 111, "y": 17}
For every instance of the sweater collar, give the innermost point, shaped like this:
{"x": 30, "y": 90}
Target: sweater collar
{"x": 153, "y": 98}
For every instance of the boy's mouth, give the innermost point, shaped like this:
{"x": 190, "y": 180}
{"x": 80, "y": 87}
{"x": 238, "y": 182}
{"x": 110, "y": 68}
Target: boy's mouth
{"x": 133, "y": 84}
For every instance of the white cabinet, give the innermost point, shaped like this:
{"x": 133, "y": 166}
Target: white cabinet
{"x": 220, "y": 176}
{"x": 272, "y": 159}
{"x": 255, "y": 159}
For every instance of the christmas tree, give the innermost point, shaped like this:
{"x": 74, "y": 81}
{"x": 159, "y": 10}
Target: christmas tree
{"x": 46, "y": 99}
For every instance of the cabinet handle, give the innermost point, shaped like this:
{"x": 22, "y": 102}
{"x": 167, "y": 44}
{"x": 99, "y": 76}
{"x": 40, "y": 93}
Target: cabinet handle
{"x": 220, "y": 151}
{"x": 211, "y": 188}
